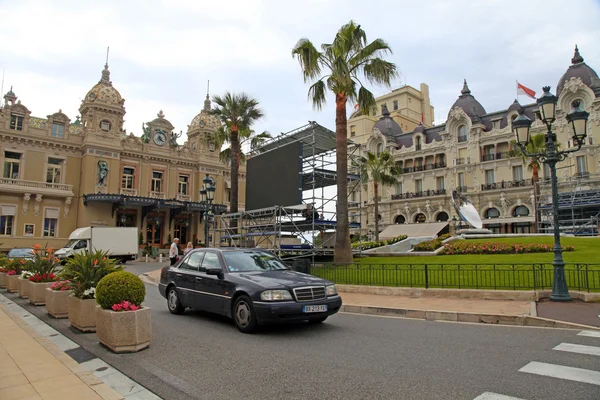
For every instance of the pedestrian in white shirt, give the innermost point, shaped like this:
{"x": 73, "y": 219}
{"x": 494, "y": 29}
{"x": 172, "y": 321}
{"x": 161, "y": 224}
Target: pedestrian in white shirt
{"x": 174, "y": 251}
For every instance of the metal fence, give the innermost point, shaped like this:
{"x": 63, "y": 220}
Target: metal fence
{"x": 581, "y": 277}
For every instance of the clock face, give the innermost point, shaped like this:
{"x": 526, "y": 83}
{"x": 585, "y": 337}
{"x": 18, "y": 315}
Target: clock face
{"x": 160, "y": 138}
{"x": 202, "y": 123}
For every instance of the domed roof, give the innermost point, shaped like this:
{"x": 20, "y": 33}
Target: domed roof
{"x": 468, "y": 103}
{"x": 204, "y": 120}
{"x": 420, "y": 128}
{"x": 104, "y": 93}
{"x": 386, "y": 125}
{"x": 577, "y": 69}
{"x": 515, "y": 106}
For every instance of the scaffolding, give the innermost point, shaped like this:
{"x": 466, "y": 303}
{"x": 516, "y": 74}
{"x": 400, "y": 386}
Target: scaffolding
{"x": 578, "y": 205}
{"x": 305, "y": 230}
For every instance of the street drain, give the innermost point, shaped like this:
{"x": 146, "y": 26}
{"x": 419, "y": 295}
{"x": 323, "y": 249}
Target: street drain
{"x": 101, "y": 369}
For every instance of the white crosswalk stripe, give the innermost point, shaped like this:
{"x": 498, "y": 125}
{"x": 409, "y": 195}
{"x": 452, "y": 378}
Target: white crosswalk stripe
{"x": 562, "y": 372}
{"x": 495, "y": 396}
{"x": 578, "y": 348}
{"x": 590, "y": 333}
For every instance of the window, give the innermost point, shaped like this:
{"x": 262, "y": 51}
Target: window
{"x": 182, "y": 188}
{"x": 518, "y": 173}
{"x": 379, "y": 148}
{"x": 54, "y": 170}
{"x": 418, "y": 143}
{"x": 50, "y": 222}
{"x": 461, "y": 180}
{"x": 244, "y": 261}
{"x": 7, "y": 219}
{"x": 105, "y": 125}
{"x": 395, "y": 104}
{"x": 211, "y": 261}
{"x": 228, "y": 195}
{"x": 12, "y": 162}
{"x": 157, "y": 177}
{"x": 399, "y": 188}
{"x": 193, "y": 261}
{"x": 462, "y": 134}
{"x": 492, "y": 213}
{"x": 489, "y": 177}
{"x": 418, "y": 185}
{"x": 352, "y": 131}
{"x": 16, "y": 122}
{"x": 439, "y": 183}
{"x": 58, "y": 130}
{"x": 128, "y": 179}
{"x": 521, "y": 211}
{"x": 581, "y": 165}
{"x": 496, "y": 124}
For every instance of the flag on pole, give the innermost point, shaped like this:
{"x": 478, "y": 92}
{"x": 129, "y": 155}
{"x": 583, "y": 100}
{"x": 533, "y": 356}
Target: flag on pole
{"x": 356, "y": 107}
{"x": 525, "y": 90}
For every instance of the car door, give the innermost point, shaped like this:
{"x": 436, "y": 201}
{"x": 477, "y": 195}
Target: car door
{"x": 211, "y": 288}
{"x": 185, "y": 279}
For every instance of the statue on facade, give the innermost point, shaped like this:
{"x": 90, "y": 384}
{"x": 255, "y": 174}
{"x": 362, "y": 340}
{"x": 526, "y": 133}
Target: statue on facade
{"x": 504, "y": 203}
{"x": 146, "y": 135}
{"x": 428, "y": 209}
{"x": 174, "y": 137}
{"x": 407, "y": 210}
{"x": 102, "y": 172}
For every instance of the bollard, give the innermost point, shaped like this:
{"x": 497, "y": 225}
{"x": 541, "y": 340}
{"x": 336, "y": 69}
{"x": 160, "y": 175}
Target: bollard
{"x": 160, "y": 258}
{"x": 146, "y": 257}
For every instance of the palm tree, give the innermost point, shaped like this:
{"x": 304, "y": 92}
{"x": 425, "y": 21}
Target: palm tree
{"x": 343, "y": 62}
{"x": 380, "y": 169}
{"x": 237, "y": 112}
{"x": 537, "y": 144}
{"x": 246, "y": 136}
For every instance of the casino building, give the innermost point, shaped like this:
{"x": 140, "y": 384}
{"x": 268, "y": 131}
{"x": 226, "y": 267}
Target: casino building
{"x": 471, "y": 152}
{"x": 59, "y": 174}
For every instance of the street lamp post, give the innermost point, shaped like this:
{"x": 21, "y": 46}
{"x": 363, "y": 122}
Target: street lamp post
{"x": 551, "y": 155}
{"x": 208, "y": 195}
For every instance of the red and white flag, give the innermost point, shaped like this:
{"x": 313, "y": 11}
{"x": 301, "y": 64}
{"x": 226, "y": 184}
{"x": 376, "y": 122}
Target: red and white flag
{"x": 356, "y": 107}
{"x": 525, "y": 90}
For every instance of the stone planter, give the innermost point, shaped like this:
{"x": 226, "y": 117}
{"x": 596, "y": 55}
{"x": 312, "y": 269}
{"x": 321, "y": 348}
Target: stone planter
{"x": 57, "y": 302}
{"x": 37, "y": 292}
{"x": 23, "y": 288}
{"x": 2, "y": 280}
{"x": 12, "y": 283}
{"x": 82, "y": 314}
{"x": 124, "y": 331}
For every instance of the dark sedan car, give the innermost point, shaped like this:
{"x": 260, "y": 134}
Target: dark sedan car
{"x": 253, "y": 287}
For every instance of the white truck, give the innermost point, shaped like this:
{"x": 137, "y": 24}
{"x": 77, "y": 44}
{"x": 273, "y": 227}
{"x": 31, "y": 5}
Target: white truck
{"x": 121, "y": 243}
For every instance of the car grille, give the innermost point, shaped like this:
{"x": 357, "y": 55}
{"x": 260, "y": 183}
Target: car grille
{"x": 310, "y": 293}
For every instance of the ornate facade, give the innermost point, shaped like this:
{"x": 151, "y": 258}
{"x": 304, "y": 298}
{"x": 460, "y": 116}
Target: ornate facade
{"x": 60, "y": 174}
{"x": 473, "y": 152}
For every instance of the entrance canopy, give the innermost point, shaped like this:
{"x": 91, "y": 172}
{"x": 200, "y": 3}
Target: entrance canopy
{"x": 412, "y": 230}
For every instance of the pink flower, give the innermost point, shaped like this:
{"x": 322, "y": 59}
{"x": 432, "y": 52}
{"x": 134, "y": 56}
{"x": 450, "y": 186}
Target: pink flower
{"x": 134, "y": 307}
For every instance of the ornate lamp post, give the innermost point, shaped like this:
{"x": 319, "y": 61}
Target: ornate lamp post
{"x": 551, "y": 155}
{"x": 208, "y": 195}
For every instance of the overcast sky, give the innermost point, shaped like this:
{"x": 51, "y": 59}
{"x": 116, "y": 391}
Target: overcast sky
{"x": 163, "y": 52}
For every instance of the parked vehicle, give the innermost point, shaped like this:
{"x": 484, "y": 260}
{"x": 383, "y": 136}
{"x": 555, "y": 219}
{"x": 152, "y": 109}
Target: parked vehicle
{"x": 251, "y": 286}
{"x": 122, "y": 243}
{"x": 25, "y": 253}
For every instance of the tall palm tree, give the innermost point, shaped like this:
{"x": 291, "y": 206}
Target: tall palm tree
{"x": 237, "y": 112}
{"x": 381, "y": 170}
{"x": 343, "y": 62}
{"x": 246, "y": 136}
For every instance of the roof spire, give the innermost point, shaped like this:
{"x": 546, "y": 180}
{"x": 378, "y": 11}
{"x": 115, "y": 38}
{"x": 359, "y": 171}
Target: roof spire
{"x": 207, "y": 101}
{"x": 576, "y": 57}
{"x": 105, "y": 72}
{"x": 465, "y": 89}
{"x": 384, "y": 110}
{"x": 107, "y": 50}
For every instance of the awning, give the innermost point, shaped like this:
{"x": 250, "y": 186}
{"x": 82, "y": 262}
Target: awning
{"x": 492, "y": 221}
{"x": 412, "y": 230}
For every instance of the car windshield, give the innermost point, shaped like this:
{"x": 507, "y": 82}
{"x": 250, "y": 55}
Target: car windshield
{"x": 245, "y": 261}
{"x": 20, "y": 253}
{"x": 72, "y": 242}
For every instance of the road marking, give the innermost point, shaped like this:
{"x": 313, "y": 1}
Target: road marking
{"x": 495, "y": 396}
{"x": 590, "y": 333}
{"x": 562, "y": 372}
{"x": 579, "y": 348}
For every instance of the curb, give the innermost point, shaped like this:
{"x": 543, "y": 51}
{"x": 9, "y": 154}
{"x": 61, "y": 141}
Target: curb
{"x": 148, "y": 279}
{"x": 429, "y": 315}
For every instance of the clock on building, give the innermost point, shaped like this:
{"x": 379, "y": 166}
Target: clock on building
{"x": 160, "y": 138}
{"x": 202, "y": 123}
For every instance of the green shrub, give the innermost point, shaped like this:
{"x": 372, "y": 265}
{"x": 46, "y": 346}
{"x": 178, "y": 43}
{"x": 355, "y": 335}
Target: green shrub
{"x": 120, "y": 286}
{"x": 431, "y": 245}
{"x": 371, "y": 245}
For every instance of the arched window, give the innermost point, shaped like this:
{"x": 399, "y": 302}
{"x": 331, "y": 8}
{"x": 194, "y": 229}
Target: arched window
{"x": 420, "y": 218}
{"x": 400, "y": 219}
{"x": 442, "y": 217}
{"x": 521, "y": 211}
{"x": 379, "y": 149}
{"x": 462, "y": 134}
{"x": 492, "y": 213}
{"x": 418, "y": 143}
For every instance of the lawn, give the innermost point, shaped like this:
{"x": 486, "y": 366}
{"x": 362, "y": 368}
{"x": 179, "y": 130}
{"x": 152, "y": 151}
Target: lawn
{"x": 498, "y": 271}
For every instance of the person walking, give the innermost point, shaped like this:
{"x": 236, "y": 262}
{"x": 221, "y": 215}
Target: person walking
{"x": 174, "y": 251}
{"x": 188, "y": 248}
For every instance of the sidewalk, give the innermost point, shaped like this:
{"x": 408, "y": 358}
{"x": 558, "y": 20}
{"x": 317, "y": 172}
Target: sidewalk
{"x": 32, "y": 367}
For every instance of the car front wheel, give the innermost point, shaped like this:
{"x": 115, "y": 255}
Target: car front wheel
{"x": 243, "y": 315}
{"x": 173, "y": 302}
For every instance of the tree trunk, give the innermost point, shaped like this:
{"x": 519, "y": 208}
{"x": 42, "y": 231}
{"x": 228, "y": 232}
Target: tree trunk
{"x": 376, "y": 198}
{"x": 343, "y": 251}
{"x": 235, "y": 170}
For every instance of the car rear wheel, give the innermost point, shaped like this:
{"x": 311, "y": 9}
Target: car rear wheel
{"x": 317, "y": 321}
{"x": 173, "y": 302}
{"x": 243, "y": 315}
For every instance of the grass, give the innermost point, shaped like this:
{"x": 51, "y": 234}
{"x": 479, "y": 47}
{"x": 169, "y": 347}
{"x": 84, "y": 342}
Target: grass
{"x": 497, "y": 271}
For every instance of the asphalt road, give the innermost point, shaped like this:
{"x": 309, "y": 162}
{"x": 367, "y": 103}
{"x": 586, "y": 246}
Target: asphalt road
{"x": 198, "y": 356}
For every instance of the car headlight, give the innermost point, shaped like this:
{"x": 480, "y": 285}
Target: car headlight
{"x": 275, "y": 295}
{"x": 331, "y": 290}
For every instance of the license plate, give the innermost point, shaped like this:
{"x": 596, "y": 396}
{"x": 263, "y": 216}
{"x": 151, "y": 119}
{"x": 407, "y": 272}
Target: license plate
{"x": 309, "y": 309}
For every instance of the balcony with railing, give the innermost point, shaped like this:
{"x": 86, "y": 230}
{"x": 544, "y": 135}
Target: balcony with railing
{"x": 129, "y": 192}
{"x": 460, "y": 161}
{"x": 183, "y": 197}
{"x": 9, "y": 185}
{"x": 158, "y": 195}
{"x": 495, "y": 156}
{"x": 426, "y": 167}
{"x": 507, "y": 184}
{"x": 415, "y": 195}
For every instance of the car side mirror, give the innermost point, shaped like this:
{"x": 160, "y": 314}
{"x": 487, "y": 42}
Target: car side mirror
{"x": 214, "y": 271}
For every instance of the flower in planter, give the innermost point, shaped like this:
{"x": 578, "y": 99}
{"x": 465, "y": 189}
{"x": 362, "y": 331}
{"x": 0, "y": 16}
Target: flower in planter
{"x": 121, "y": 289}
{"x": 125, "y": 306}
{"x": 84, "y": 271}
{"x": 44, "y": 265}
{"x": 11, "y": 272}
{"x": 26, "y": 274}
{"x": 89, "y": 293}
{"x": 61, "y": 285}
{"x": 43, "y": 278}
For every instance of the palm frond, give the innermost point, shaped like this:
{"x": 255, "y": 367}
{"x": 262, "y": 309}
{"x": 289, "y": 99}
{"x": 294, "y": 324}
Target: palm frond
{"x": 316, "y": 93}
{"x": 380, "y": 71}
{"x": 375, "y": 49}
{"x": 308, "y": 56}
